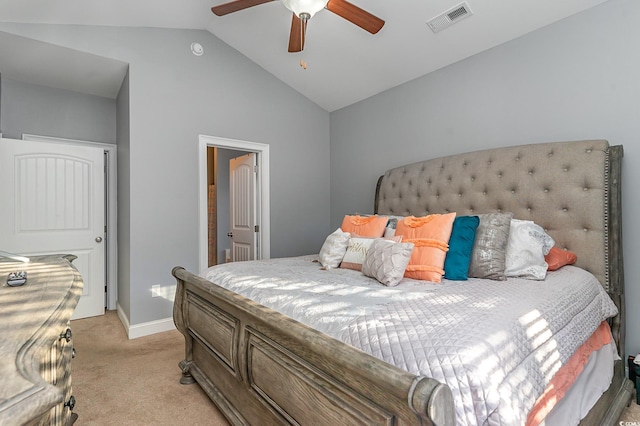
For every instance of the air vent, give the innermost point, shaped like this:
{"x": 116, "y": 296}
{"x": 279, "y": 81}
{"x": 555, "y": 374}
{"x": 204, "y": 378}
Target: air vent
{"x": 450, "y": 17}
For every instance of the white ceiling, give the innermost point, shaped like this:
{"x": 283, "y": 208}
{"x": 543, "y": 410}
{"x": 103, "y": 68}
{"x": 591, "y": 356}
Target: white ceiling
{"x": 345, "y": 64}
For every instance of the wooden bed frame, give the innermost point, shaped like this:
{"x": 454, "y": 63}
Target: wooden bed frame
{"x": 261, "y": 367}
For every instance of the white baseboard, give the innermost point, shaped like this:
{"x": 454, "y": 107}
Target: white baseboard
{"x": 146, "y": 328}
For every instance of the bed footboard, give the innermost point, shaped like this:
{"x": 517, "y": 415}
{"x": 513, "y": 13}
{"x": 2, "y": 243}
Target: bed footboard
{"x": 261, "y": 367}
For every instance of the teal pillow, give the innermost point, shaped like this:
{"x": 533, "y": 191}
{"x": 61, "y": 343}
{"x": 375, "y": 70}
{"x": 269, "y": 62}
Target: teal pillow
{"x": 463, "y": 236}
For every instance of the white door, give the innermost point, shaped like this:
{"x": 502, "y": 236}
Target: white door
{"x": 53, "y": 202}
{"x": 242, "y": 195}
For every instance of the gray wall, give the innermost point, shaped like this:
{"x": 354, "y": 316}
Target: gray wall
{"x": 41, "y": 110}
{"x": 124, "y": 203}
{"x": 576, "y": 79}
{"x": 173, "y": 97}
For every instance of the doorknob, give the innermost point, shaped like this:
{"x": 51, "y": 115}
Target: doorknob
{"x": 98, "y": 239}
{"x": 230, "y": 234}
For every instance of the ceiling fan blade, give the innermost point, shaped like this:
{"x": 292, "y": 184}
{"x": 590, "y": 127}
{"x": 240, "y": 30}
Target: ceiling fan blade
{"x": 234, "y": 6}
{"x": 297, "y": 35}
{"x": 355, "y": 15}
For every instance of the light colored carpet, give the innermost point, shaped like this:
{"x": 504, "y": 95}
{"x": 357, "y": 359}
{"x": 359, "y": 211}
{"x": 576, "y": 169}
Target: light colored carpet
{"x": 631, "y": 416}
{"x": 117, "y": 381}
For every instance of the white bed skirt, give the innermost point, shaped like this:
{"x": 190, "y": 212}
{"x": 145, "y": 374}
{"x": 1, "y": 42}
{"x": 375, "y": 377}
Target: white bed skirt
{"x": 586, "y": 390}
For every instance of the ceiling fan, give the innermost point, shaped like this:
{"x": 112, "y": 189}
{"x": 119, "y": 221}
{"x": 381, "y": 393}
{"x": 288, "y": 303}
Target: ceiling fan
{"x": 303, "y": 11}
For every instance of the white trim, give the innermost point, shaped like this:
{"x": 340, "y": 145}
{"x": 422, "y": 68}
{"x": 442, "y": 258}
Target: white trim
{"x": 146, "y": 328}
{"x": 123, "y": 318}
{"x": 112, "y": 214}
{"x": 264, "y": 242}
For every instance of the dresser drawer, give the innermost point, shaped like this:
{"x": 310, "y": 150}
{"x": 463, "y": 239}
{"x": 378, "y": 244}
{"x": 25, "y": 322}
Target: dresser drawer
{"x": 56, "y": 369}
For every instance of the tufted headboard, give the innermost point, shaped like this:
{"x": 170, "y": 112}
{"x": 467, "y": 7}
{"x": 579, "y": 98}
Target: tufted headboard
{"x": 571, "y": 189}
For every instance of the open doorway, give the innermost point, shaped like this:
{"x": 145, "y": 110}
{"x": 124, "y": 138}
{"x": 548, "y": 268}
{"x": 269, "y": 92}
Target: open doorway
{"x": 219, "y": 229}
{"x": 214, "y": 156}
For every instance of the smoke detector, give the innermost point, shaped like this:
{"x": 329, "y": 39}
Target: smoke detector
{"x": 197, "y": 49}
{"x": 450, "y": 17}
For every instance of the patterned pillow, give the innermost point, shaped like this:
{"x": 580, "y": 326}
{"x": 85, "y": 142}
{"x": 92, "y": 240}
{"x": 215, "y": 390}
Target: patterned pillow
{"x": 357, "y": 250}
{"x": 430, "y": 237}
{"x": 365, "y": 226}
{"x": 386, "y": 261}
{"x": 526, "y": 247}
{"x": 489, "y": 249}
{"x": 333, "y": 249}
{"x": 463, "y": 235}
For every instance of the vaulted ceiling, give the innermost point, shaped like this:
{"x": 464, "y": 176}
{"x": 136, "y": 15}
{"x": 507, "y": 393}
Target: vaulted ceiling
{"x": 343, "y": 63}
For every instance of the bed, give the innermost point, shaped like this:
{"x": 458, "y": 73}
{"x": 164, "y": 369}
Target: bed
{"x": 259, "y": 365}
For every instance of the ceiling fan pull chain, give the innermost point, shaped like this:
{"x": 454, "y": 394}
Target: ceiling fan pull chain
{"x": 303, "y": 30}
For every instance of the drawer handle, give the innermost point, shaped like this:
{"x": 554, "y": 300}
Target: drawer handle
{"x": 66, "y": 335}
{"x": 71, "y": 403}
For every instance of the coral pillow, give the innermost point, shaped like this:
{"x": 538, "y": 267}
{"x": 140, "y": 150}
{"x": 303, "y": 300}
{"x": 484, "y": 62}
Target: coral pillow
{"x": 430, "y": 237}
{"x": 365, "y": 226}
{"x": 557, "y": 258}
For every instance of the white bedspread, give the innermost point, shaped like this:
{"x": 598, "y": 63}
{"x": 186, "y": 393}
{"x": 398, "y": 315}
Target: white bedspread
{"x": 496, "y": 344}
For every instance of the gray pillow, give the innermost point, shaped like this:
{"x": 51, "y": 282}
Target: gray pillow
{"x": 386, "y": 261}
{"x": 490, "y": 247}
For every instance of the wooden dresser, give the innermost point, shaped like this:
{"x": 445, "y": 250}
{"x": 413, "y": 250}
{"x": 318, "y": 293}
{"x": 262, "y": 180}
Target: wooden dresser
{"x": 36, "y": 341}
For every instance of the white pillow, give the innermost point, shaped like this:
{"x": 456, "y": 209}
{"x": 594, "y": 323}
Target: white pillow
{"x": 386, "y": 261}
{"x": 526, "y": 248}
{"x": 357, "y": 249}
{"x": 333, "y": 249}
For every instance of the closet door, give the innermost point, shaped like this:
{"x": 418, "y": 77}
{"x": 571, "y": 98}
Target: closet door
{"x": 54, "y": 202}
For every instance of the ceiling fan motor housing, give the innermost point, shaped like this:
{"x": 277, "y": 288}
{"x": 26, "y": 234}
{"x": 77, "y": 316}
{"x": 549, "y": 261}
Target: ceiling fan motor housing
{"x": 305, "y": 9}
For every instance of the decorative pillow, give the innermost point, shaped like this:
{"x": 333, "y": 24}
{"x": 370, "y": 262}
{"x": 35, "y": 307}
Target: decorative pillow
{"x": 357, "y": 250}
{"x": 386, "y": 261}
{"x": 390, "y": 230}
{"x": 365, "y": 226}
{"x": 333, "y": 249}
{"x": 557, "y": 258}
{"x": 526, "y": 247}
{"x": 430, "y": 237}
{"x": 463, "y": 235}
{"x": 489, "y": 249}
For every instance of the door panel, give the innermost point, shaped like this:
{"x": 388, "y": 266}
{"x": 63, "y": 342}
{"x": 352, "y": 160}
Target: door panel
{"x": 52, "y": 193}
{"x": 242, "y": 181}
{"x": 57, "y": 206}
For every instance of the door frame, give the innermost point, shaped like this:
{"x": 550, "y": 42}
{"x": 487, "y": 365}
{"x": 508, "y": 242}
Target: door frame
{"x": 111, "y": 213}
{"x": 262, "y": 200}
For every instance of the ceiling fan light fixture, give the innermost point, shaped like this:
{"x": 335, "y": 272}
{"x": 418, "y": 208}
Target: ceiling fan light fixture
{"x": 305, "y": 8}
